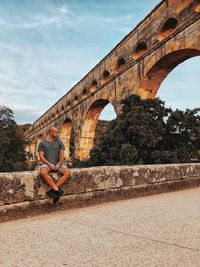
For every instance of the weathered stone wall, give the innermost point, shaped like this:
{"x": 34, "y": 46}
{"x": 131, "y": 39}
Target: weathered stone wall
{"x": 24, "y": 192}
{"x": 165, "y": 38}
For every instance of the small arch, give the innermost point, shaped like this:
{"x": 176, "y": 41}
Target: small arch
{"x": 38, "y": 140}
{"x": 105, "y": 75}
{"x": 140, "y": 49}
{"x": 120, "y": 64}
{"x": 84, "y": 91}
{"x": 68, "y": 103}
{"x": 93, "y": 86}
{"x": 52, "y": 116}
{"x": 168, "y": 28}
{"x": 197, "y": 7}
{"x": 57, "y": 112}
{"x": 62, "y": 109}
{"x": 66, "y": 137}
{"x": 75, "y": 100}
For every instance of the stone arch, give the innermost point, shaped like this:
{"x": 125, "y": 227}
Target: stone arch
{"x": 93, "y": 86}
{"x": 139, "y": 50}
{"x": 32, "y": 149}
{"x": 167, "y": 28}
{"x": 197, "y": 7}
{"x": 84, "y": 91}
{"x": 38, "y": 140}
{"x": 68, "y": 104}
{"x": 105, "y": 76}
{"x": 120, "y": 64}
{"x": 75, "y": 99}
{"x": 156, "y": 72}
{"x": 65, "y": 136}
{"x": 90, "y": 121}
{"x": 62, "y": 109}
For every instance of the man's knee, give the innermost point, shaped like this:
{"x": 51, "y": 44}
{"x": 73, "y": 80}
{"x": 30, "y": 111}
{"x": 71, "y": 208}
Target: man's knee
{"x": 66, "y": 172}
{"x": 44, "y": 171}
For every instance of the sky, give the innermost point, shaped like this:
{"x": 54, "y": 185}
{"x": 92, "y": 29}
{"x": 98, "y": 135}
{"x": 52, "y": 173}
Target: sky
{"x": 47, "y": 46}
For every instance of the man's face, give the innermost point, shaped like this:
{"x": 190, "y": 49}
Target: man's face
{"x": 54, "y": 133}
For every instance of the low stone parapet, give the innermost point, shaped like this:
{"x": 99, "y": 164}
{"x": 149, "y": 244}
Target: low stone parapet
{"x": 24, "y": 193}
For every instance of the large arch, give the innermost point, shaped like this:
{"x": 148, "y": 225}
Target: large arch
{"x": 65, "y": 136}
{"x": 89, "y": 126}
{"x": 155, "y": 72}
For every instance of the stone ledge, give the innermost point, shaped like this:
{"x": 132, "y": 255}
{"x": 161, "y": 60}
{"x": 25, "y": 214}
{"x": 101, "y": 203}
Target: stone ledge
{"x": 23, "y": 193}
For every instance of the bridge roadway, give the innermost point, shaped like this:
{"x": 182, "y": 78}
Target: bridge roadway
{"x": 159, "y": 230}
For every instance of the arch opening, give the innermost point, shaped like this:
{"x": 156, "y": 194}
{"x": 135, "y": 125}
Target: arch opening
{"x": 38, "y": 140}
{"x": 93, "y": 86}
{"x": 62, "y": 109}
{"x": 168, "y": 28}
{"x": 140, "y": 50}
{"x": 31, "y": 148}
{"x": 68, "y": 103}
{"x": 88, "y": 130}
{"x": 197, "y": 8}
{"x": 66, "y": 137}
{"x": 120, "y": 64}
{"x": 84, "y": 92}
{"x": 105, "y": 76}
{"x": 152, "y": 81}
{"x": 75, "y": 101}
{"x": 180, "y": 89}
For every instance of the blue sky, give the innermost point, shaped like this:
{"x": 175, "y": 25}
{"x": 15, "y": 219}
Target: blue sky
{"x": 48, "y": 46}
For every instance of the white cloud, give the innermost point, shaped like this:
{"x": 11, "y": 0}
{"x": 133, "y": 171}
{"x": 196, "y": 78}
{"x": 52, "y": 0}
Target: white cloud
{"x": 40, "y": 22}
{"x": 9, "y": 80}
{"x": 39, "y": 66}
{"x": 62, "y": 9}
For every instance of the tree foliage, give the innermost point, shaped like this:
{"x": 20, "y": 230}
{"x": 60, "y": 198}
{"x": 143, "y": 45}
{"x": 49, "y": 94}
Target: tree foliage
{"x": 12, "y": 145}
{"x": 147, "y": 132}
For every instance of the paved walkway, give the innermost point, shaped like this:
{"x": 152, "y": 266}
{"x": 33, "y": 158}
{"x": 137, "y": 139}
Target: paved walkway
{"x": 160, "y": 230}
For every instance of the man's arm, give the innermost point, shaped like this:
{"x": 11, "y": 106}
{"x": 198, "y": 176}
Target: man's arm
{"x": 61, "y": 158}
{"x": 44, "y": 160}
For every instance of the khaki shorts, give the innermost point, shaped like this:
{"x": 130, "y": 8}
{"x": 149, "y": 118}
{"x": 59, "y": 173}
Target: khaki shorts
{"x": 63, "y": 166}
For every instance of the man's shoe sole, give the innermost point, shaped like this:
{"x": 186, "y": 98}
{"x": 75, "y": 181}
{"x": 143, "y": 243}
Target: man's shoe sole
{"x": 59, "y": 194}
{"x": 51, "y": 193}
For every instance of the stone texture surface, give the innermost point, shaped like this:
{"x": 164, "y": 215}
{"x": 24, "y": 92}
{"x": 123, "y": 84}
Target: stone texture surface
{"x": 142, "y": 75}
{"x": 25, "y": 192}
{"x": 160, "y": 230}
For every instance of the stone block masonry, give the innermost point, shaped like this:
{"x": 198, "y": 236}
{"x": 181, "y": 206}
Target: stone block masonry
{"x": 24, "y": 193}
{"x": 168, "y": 35}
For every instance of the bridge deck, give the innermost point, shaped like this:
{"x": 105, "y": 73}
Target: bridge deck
{"x": 160, "y": 230}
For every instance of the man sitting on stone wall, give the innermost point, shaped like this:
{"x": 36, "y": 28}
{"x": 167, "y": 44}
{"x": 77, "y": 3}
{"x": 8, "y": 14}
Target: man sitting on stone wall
{"x": 51, "y": 153}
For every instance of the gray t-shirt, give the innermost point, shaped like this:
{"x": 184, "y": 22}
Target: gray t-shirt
{"x": 51, "y": 149}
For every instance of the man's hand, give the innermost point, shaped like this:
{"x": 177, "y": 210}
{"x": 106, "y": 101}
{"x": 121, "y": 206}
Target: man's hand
{"x": 52, "y": 167}
{"x": 58, "y": 166}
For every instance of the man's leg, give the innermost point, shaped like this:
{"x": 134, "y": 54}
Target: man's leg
{"x": 65, "y": 176}
{"x": 44, "y": 172}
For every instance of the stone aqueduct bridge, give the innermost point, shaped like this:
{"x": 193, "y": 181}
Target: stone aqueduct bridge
{"x": 169, "y": 35}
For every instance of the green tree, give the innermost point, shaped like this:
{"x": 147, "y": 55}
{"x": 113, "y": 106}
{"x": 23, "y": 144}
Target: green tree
{"x": 147, "y": 132}
{"x": 12, "y": 145}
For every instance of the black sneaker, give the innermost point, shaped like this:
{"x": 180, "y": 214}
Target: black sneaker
{"x": 59, "y": 194}
{"x": 52, "y": 193}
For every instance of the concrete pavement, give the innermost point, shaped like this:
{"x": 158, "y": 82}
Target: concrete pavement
{"x": 159, "y": 230}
